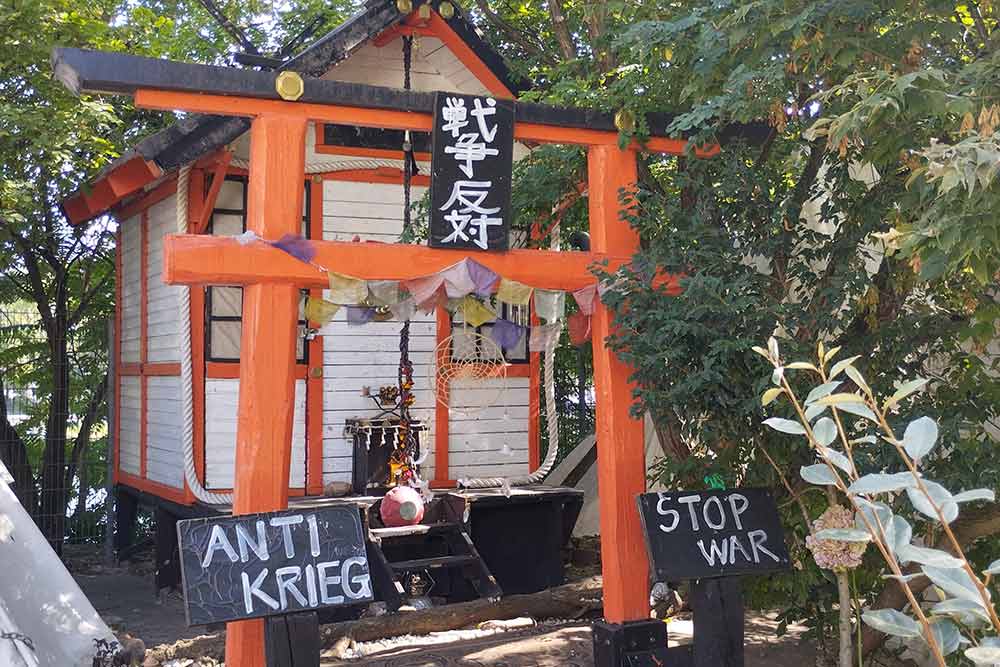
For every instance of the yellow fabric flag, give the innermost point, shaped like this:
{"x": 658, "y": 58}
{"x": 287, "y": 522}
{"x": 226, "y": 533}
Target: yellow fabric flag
{"x": 320, "y": 311}
{"x": 475, "y": 312}
{"x": 347, "y": 291}
{"x": 513, "y": 292}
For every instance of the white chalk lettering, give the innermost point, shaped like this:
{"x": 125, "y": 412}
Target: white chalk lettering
{"x": 673, "y": 514}
{"x": 216, "y": 541}
{"x": 744, "y": 503}
{"x": 286, "y": 523}
{"x": 286, "y": 578}
{"x": 757, "y": 539}
{"x": 734, "y": 544}
{"x": 363, "y": 581}
{"x": 311, "y": 585}
{"x": 251, "y": 590}
{"x": 244, "y": 541}
{"x": 325, "y": 581}
{"x": 722, "y": 513}
{"x": 715, "y": 551}
{"x": 690, "y": 501}
{"x": 313, "y": 535}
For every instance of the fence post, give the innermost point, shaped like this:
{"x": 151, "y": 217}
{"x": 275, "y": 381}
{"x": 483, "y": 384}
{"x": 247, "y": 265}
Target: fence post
{"x": 109, "y": 483}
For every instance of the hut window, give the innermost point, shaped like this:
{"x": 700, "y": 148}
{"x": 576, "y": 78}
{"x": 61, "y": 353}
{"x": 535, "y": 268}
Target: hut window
{"x": 463, "y": 346}
{"x": 224, "y": 305}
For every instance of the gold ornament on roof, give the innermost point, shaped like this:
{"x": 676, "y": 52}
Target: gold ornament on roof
{"x": 446, "y": 10}
{"x": 289, "y": 85}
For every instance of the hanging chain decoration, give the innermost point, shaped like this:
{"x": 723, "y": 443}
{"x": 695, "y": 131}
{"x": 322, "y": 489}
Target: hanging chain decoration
{"x": 401, "y": 461}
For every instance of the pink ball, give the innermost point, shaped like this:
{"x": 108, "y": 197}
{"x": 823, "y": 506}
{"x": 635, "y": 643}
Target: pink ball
{"x": 402, "y": 506}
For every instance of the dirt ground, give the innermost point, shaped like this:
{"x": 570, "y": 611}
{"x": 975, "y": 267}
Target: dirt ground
{"x": 125, "y": 598}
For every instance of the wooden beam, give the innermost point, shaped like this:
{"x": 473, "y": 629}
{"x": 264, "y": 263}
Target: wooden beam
{"x": 621, "y": 456}
{"x": 267, "y": 348}
{"x": 203, "y": 260}
{"x": 95, "y": 71}
{"x": 208, "y": 203}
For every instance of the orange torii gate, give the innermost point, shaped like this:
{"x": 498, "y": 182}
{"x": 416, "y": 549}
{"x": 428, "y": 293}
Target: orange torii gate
{"x": 272, "y": 279}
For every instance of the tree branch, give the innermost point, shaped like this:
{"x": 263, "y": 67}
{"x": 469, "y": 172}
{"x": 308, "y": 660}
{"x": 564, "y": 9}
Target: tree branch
{"x": 512, "y": 33}
{"x": 561, "y": 30}
{"x": 82, "y": 441}
{"x": 74, "y": 317}
{"x": 234, "y": 30}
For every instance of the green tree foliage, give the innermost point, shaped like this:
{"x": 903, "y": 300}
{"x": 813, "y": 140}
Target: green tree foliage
{"x": 51, "y": 144}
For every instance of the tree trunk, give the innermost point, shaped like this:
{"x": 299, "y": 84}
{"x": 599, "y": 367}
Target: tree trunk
{"x": 570, "y": 601}
{"x": 52, "y": 511}
{"x": 844, "y": 594}
{"x": 14, "y": 454}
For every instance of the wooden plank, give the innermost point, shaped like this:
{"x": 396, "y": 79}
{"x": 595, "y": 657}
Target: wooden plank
{"x": 193, "y": 260}
{"x": 83, "y": 70}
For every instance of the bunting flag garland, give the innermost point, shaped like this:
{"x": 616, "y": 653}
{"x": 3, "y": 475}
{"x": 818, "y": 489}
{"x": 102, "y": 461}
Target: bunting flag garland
{"x": 483, "y": 277}
{"x": 506, "y": 334}
{"x": 543, "y": 336}
{"x": 585, "y": 297}
{"x": 384, "y": 292}
{"x": 357, "y": 315}
{"x": 457, "y": 280}
{"x": 296, "y": 246}
{"x": 347, "y": 291}
{"x": 514, "y": 293}
{"x": 422, "y": 289}
{"x": 459, "y": 288}
{"x": 320, "y": 311}
{"x": 550, "y": 305}
{"x": 474, "y": 312}
{"x": 580, "y": 329}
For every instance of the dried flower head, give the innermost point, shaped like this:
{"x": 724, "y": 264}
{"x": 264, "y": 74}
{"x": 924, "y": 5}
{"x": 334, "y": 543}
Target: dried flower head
{"x": 835, "y": 554}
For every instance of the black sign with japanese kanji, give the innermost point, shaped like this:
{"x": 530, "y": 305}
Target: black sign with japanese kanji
{"x": 472, "y": 154}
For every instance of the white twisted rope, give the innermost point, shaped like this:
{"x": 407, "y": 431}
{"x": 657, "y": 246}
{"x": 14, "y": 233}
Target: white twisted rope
{"x": 324, "y": 165}
{"x": 187, "y": 391}
{"x": 551, "y": 419}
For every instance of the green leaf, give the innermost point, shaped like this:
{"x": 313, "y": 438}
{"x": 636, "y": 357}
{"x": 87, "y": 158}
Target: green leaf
{"x": 831, "y": 353}
{"x": 856, "y": 376}
{"x": 859, "y": 409}
{"x": 818, "y": 473}
{"x": 902, "y": 533}
{"x": 771, "y": 394}
{"x": 801, "y": 366}
{"x": 814, "y": 411}
{"x": 892, "y": 622}
{"x": 838, "y": 459}
{"x": 914, "y": 554}
{"x": 954, "y": 581}
{"x": 936, "y": 495}
{"x": 844, "y": 535}
{"x": 837, "y": 399}
{"x": 904, "y": 390}
{"x": 825, "y": 431}
{"x": 947, "y": 636}
{"x": 822, "y": 390}
{"x": 920, "y": 436}
{"x": 983, "y": 655}
{"x": 785, "y": 425}
{"x": 839, "y": 367}
{"x": 975, "y": 494}
{"x": 962, "y": 609}
{"x": 994, "y": 568}
{"x": 881, "y": 483}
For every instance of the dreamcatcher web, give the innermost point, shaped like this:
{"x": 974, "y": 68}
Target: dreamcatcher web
{"x": 467, "y": 356}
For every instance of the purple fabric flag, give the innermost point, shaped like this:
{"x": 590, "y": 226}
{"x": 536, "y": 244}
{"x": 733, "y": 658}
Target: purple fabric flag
{"x": 457, "y": 281}
{"x": 506, "y": 334}
{"x": 483, "y": 277}
{"x": 296, "y": 246}
{"x": 357, "y": 315}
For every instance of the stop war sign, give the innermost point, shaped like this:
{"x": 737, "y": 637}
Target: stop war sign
{"x": 698, "y": 534}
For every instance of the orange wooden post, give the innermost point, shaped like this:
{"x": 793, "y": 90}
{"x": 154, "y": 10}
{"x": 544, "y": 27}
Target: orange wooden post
{"x": 621, "y": 459}
{"x": 267, "y": 351}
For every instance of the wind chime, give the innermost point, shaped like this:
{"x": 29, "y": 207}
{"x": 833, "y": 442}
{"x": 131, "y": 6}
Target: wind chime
{"x": 401, "y": 466}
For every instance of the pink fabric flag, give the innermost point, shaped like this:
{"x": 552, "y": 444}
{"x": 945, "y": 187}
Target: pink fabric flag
{"x": 422, "y": 289}
{"x": 457, "y": 280}
{"x": 585, "y": 297}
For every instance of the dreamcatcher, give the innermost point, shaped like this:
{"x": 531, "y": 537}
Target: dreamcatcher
{"x": 469, "y": 356}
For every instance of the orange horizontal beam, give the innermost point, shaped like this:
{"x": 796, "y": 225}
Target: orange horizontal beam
{"x": 190, "y": 259}
{"x": 225, "y": 105}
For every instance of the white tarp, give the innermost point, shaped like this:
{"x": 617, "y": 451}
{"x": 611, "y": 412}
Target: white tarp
{"x": 39, "y": 598}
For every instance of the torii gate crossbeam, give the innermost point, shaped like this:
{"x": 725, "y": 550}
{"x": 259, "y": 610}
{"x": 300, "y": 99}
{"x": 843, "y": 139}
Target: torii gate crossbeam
{"x": 277, "y": 167}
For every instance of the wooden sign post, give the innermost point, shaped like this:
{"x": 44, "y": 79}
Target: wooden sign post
{"x": 275, "y": 565}
{"x": 709, "y": 538}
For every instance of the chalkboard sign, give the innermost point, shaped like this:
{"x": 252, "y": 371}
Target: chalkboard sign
{"x": 718, "y": 533}
{"x": 471, "y": 157}
{"x": 257, "y": 565}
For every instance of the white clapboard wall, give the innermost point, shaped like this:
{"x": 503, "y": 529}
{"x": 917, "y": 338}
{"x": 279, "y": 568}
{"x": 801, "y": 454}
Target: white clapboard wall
{"x": 161, "y": 307}
{"x": 131, "y": 288}
{"x": 358, "y": 356}
{"x": 221, "y": 402}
